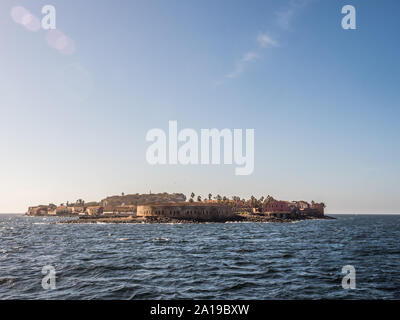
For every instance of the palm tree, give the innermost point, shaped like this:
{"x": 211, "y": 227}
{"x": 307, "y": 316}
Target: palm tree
{"x": 268, "y": 199}
{"x": 252, "y": 201}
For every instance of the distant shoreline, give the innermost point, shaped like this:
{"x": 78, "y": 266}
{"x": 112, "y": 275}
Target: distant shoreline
{"x": 334, "y": 214}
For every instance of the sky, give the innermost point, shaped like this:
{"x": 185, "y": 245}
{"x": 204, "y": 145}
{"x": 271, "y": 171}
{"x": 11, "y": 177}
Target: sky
{"x": 76, "y": 102}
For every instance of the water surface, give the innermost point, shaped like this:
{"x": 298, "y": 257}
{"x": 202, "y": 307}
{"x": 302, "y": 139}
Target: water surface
{"x": 300, "y": 260}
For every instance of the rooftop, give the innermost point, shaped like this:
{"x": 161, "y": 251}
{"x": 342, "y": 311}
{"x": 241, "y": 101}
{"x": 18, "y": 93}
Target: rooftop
{"x": 175, "y": 204}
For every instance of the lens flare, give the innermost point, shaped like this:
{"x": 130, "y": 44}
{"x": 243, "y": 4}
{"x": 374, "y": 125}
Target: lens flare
{"x": 59, "y": 41}
{"x": 22, "y": 16}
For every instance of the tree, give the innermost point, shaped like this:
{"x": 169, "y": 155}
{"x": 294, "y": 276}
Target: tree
{"x": 209, "y": 196}
{"x": 268, "y": 200}
{"x": 192, "y": 195}
{"x": 199, "y": 198}
{"x": 253, "y": 201}
{"x": 122, "y": 194}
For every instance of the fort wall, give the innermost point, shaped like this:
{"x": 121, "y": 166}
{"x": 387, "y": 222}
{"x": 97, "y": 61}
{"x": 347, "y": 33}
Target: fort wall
{"x": 193, "y": 211}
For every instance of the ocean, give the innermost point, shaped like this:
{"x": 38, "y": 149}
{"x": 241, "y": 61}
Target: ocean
{"x": 301, "y": 260}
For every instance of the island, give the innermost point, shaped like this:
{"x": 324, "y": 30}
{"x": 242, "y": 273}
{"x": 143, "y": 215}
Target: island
{"x": 174, "y": 208}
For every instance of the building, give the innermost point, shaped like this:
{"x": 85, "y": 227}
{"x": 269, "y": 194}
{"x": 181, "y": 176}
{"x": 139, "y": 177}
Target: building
{"x": 94, "y": 210}
{"x": 302, "y": 204}
{"x": 120, "y": 210}
{"x": 37, "y": 211}
{"x": 281, "y": 209}
{"x": 318, "y": 208}
{"x": 52, "y": 212}
{"x": 278, "y": 206}
{"x": 186, "y": 210}
{"x": 62, "y": 210}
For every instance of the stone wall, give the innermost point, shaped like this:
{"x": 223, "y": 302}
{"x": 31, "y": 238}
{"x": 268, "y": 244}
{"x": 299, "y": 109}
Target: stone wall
{"x": 193, "y": 211}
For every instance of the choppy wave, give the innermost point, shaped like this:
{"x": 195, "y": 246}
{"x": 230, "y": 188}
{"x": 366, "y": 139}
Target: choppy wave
{"x": 201, "y": 261}
{"x": 161, "y": 239}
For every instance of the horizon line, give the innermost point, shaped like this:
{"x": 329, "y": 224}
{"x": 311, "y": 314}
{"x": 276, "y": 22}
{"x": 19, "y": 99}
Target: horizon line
{"x": 354, "y": 213}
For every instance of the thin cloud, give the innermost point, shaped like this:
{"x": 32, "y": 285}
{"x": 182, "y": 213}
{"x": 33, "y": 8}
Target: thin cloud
{"x": 247, "y": 58}
{"x": 264, "y": 40}
{"x": 250, "y": 56}
{"x": 285, "y": 15}
{"x": 284, "y": 18}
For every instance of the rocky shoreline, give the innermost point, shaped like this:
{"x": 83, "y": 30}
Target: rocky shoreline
{"x": 241, "y": 217}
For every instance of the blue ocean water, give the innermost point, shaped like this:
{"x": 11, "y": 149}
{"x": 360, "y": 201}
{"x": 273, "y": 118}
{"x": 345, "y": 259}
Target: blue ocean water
{"x": 301, "y": 260}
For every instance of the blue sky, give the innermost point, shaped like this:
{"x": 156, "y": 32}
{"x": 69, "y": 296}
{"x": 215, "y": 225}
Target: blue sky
{"x": 324, "y": 102}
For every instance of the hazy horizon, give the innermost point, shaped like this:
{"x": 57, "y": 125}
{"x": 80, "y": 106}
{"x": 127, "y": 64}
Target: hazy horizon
{"x": 323, "y": 101}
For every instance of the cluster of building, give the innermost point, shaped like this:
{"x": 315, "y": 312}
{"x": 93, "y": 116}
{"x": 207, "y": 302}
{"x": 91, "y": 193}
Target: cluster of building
{"x": 287, "y": 209}
{"x": 124, "y": 204}
{"x": 71, "y": 210}
{"x": 148, "y": 205}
